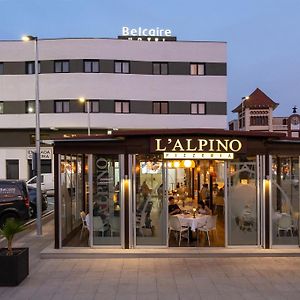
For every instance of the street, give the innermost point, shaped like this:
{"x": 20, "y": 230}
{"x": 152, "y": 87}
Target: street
{"x": 153, "y": 278}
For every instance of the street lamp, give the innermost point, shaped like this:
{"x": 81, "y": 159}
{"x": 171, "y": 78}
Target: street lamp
{"x": 29, "y": 38}
{"x": 83, "y": 100}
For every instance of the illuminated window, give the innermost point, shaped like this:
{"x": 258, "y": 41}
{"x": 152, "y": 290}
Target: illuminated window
{"x": 1, "y": 107}
{"x": 160, "y": 107}
{"x": 91, "y": 66}
{"x": 62, "y": 106}
{"x": 61, "y": 66}
{"x": 122, "y": 107}
{"x": 122, "y": 67}
{"x": 197, "y": 69}
{"x": 30, "y": 107}
{"x": 160, "y": 68}
{"x": 198, "y": 108}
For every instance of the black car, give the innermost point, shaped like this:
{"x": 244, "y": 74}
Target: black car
{"x": 14, "y": 200}
{"x": 32, "y": 197}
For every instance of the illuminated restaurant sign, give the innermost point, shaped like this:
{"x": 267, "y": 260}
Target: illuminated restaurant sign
{"x": 196, "y": 148}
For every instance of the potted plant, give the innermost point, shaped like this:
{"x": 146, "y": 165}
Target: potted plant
{"x": 14, "y": 262}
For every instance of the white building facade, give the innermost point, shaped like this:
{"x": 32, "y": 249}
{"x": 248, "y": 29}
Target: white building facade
{"x": 128, "y": 84}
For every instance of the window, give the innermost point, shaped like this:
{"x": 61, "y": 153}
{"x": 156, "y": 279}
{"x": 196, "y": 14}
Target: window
{"x": 62, "y": 106}
{"x": 160, "y": 107}
{"x": 94, "y": 106}
{"x": 30, "y": 67}
{"x": 61, "y": 66}
{"x": 121, "y": 67}
{"x": 1, "y": 107}
{"x": 91, "y": 66}
{"x": 1, "y": 68}
{"x": 160, "y": 68}
{"x": 259, "y": 121}
{"x": 30, "y": 107}
{"x": 197, "y": 108}
{"x": 122, "y": 107}
{"x": 12, "y": 169}
{"x": 197, "y": 69}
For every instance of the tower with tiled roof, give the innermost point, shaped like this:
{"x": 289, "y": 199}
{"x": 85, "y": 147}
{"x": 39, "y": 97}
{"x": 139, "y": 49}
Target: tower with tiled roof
{"x": 255, "y": 112}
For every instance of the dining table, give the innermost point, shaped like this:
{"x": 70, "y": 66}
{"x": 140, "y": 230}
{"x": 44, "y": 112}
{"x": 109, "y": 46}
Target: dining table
{"x": 189, "y": 220}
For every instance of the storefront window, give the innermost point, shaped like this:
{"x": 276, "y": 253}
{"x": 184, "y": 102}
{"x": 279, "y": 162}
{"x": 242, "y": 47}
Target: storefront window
{"x": 285, "y": 200}
{"x": 151, "y": 218}
{"x": 242, "y": 203}
{"x": 71, "y": 199}
{"x": 106, "y": 201}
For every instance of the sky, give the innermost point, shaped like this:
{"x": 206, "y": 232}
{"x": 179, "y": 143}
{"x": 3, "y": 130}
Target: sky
{"x": 263, "y": 36}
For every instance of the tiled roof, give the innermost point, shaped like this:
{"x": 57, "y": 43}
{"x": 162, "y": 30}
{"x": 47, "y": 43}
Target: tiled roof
{"x": 257, "y": 99}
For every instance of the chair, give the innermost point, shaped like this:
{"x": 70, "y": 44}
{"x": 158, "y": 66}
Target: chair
{"x": 99, "y": 226}
{"x": 285, "y": 224}
{"x": 114, "y": 226}
{"x": 175, "y": 226}
{"x": 140, "y": 222}
{"x": 84, "y": 223}
{"x": 210, "y": 225}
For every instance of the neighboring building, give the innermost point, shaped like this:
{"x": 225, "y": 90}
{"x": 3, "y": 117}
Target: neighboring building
{"x": 128, "y": 84}
{"x": 255, "y": 113}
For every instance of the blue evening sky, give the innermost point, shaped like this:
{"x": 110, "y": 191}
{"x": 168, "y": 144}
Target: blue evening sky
{"x": 263, "y": 36}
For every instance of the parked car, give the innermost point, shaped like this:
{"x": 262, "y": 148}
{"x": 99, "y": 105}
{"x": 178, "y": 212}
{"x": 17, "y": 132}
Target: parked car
{"x": 47, "y": 183}
{"x": 14, "y": 200}
{"x": 32, "y": 198}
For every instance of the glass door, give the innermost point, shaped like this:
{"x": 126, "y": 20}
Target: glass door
{"x": 149, "y": 194}
{"x": 105, "y": 217}
{"x": 285, "y": 201}
{"x": 243, "y": 203}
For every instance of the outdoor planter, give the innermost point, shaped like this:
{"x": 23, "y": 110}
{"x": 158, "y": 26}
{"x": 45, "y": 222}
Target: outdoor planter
{"x": 14, "y": 268}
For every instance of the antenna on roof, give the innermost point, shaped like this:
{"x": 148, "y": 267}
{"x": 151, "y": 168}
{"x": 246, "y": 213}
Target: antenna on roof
{"x": 295, "y": 109}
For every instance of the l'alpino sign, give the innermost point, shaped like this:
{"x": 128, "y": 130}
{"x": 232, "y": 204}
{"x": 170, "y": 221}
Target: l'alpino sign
{"x": 197, "y": 148}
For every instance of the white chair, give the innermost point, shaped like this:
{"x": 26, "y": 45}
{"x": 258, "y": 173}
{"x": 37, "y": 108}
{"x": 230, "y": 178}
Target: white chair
{"x": 114, "y": 226}
{"x": 84, "y": 225}
{"x": 285, "y": 224}
{"x": 210, "y": 225}
{"x": 99, "y": 226}
{"x": 175, "y": 226}
{"x": 140, "y": 222}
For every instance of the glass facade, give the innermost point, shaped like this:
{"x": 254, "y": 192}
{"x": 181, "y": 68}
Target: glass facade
{"x": 125, "y": 200}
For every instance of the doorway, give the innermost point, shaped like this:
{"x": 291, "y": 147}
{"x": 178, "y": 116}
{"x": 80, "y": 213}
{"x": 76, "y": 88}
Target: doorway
{"x": 191, "y": 184}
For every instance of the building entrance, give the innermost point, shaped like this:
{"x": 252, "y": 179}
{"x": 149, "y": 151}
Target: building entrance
{"x": 179, "y": 203}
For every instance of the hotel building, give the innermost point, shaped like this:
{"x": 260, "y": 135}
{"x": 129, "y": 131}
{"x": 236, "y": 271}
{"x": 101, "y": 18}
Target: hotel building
{"x": 156, "y": 117}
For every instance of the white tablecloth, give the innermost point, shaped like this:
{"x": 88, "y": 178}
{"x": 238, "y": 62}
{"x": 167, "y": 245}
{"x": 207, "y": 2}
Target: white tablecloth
{"x": 193, "y": 223}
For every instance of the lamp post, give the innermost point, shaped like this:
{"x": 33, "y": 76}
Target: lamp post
{"x": 83, "y": 100}
{"x": 37, "y": 135}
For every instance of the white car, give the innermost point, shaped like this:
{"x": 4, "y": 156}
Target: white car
{"x": 47, "y": 183}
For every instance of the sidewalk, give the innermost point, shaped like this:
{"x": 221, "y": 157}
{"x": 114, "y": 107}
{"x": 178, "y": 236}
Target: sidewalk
{"x": 154, "y": 278}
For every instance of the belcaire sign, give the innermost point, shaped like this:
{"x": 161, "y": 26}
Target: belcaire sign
{"x": 147, "y": 34}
